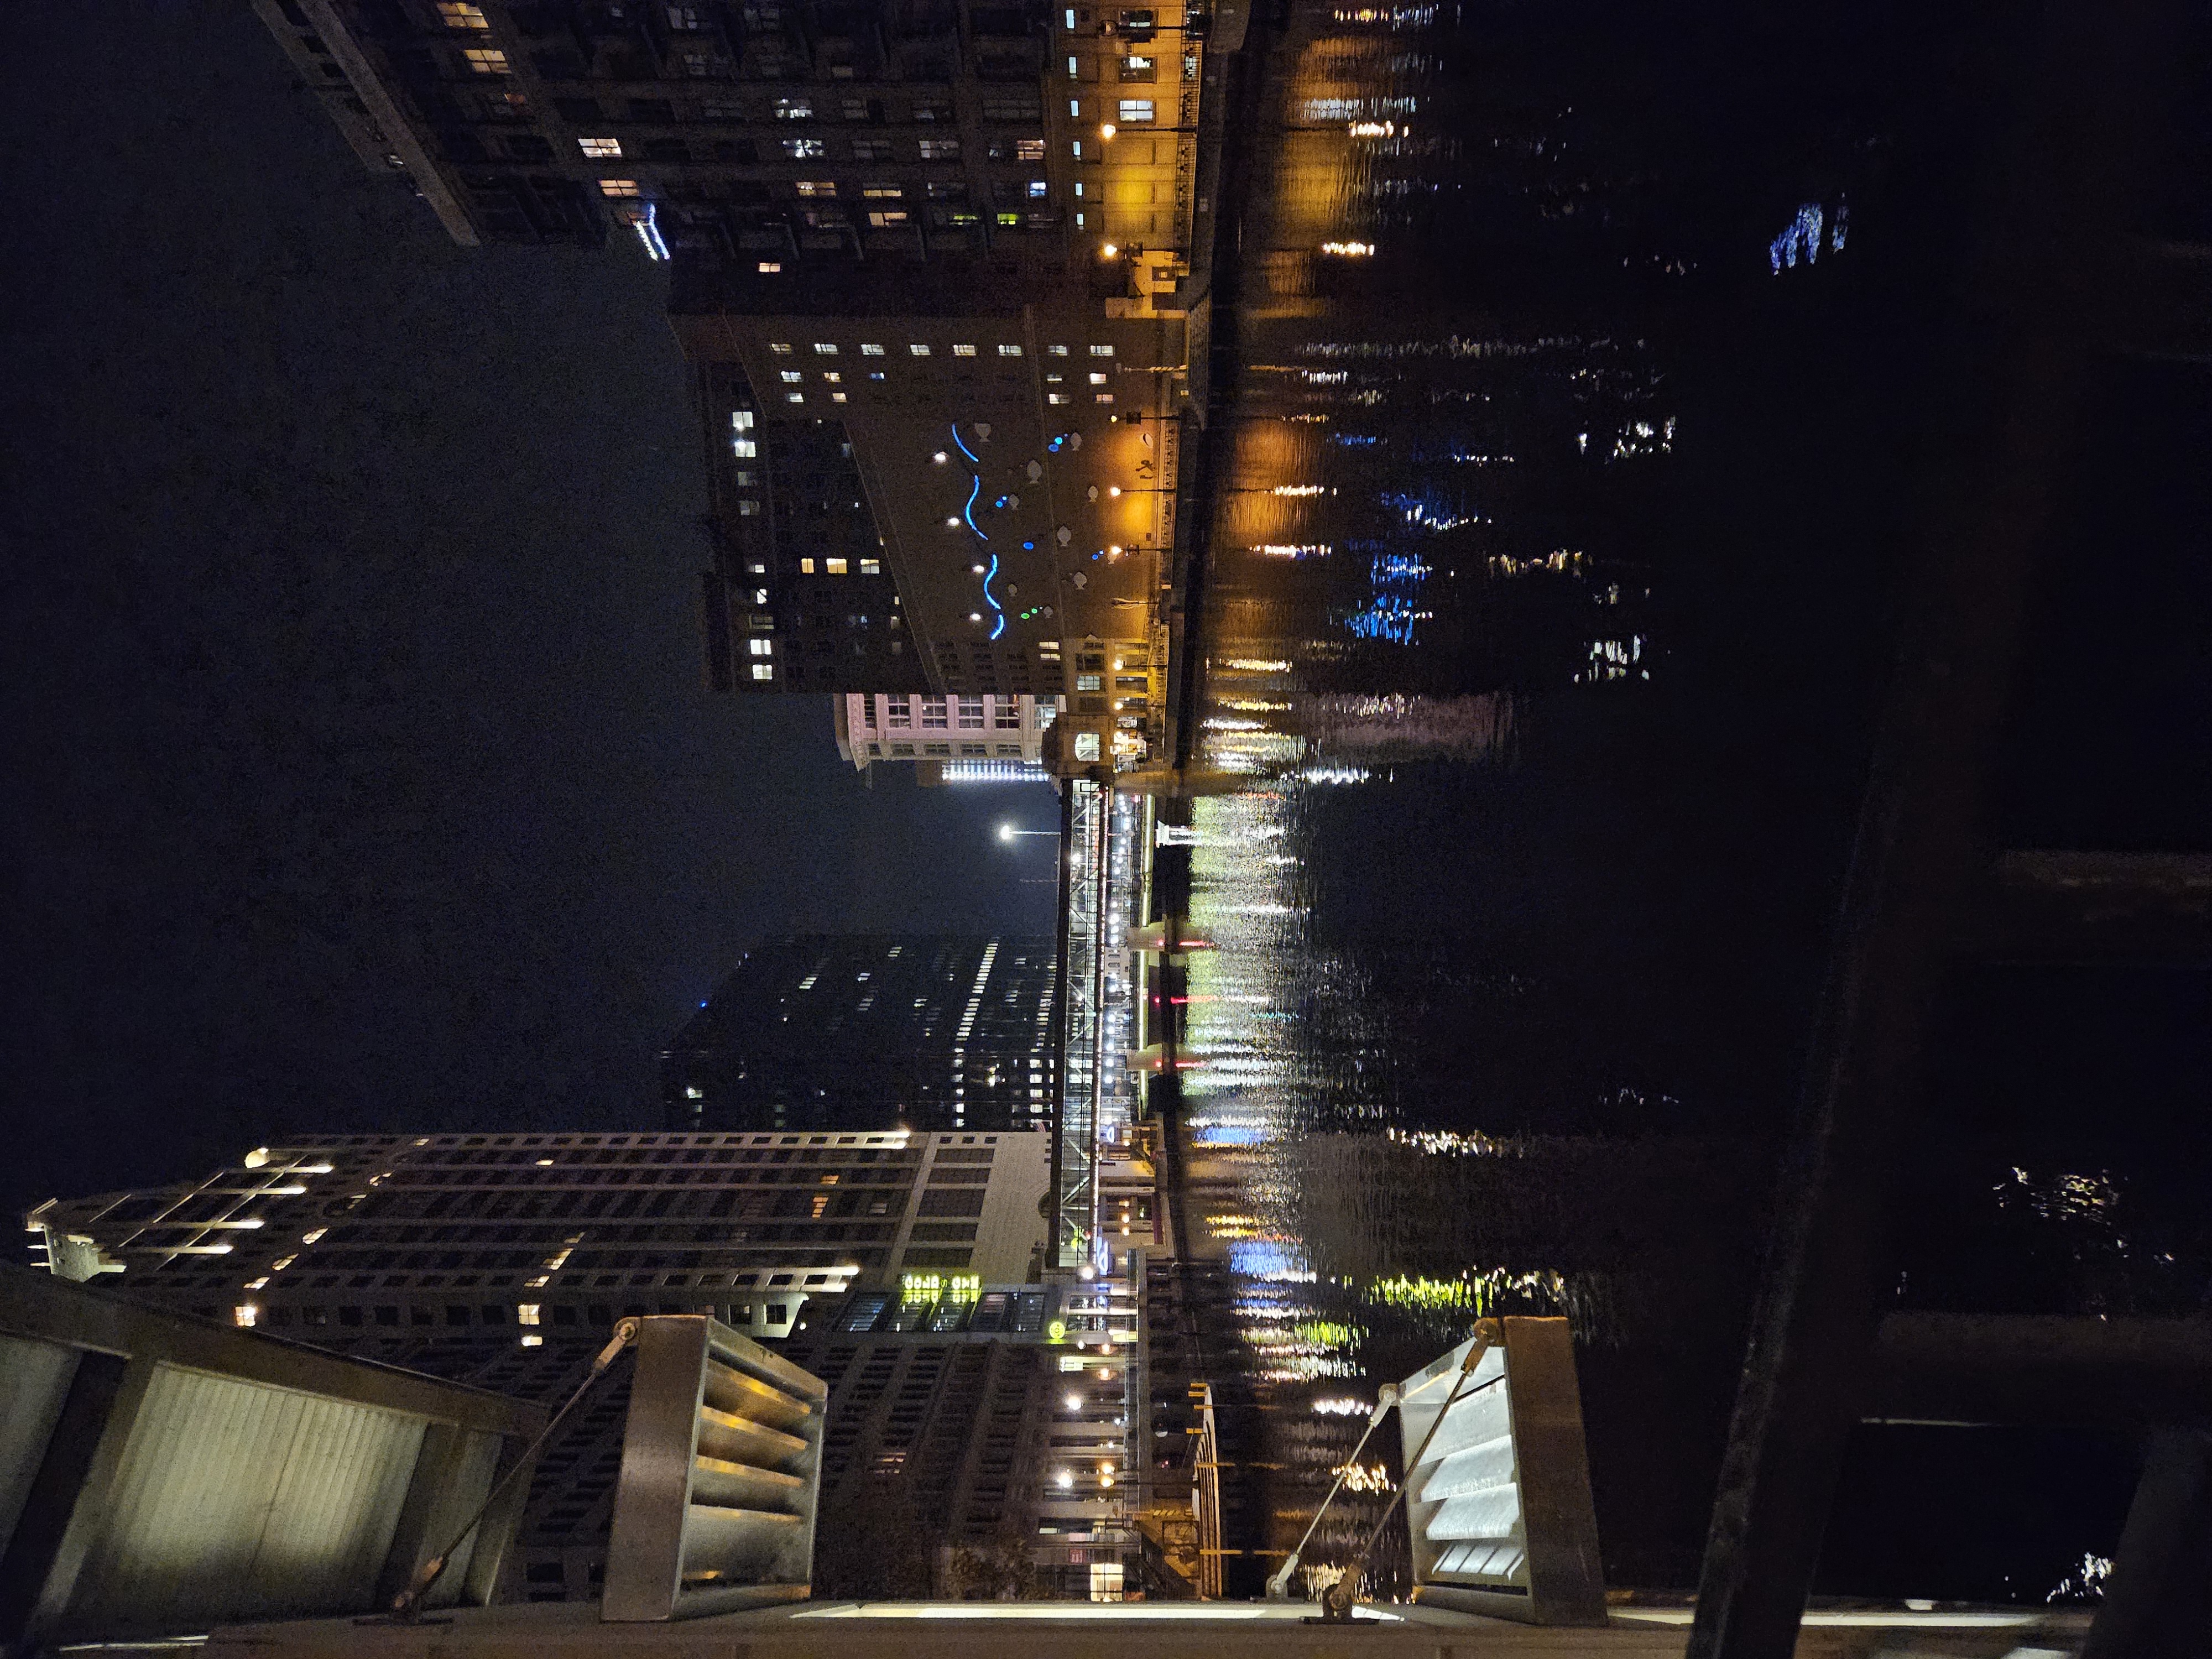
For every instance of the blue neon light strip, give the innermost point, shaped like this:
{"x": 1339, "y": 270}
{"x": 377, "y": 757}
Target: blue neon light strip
{"x": 999, "y": 611}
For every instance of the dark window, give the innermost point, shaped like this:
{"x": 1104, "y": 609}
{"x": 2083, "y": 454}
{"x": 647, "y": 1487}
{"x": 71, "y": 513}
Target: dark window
{"x": 387, "y": 1315}
{"x": 349, "y": 1315}
{"x": 578, "y": 109}
{"x": 457, "y": 1315}
{"x": 651, "y": 109}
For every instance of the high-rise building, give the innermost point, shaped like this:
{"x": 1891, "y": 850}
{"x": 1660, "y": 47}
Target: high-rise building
{"x": 390, "y": 1233}
{"x": 983, "y": 740}
{"x": 928, "y": 258}
{"x": 743, "y": 126}
{"x": 897, "y": 1268}
{"x": 818, "y": 1031}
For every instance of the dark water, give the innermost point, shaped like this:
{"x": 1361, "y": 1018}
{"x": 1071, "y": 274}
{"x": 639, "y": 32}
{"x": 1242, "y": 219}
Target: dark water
{"x": 1568, "y": 470}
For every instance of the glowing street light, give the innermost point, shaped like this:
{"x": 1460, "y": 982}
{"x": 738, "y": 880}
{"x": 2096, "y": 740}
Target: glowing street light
{"x": 1007, "y": 832}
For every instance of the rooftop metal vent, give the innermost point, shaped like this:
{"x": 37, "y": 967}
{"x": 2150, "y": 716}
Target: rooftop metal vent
{"x": 721, "y": 1472}
{"x": 1497, "y": 1493}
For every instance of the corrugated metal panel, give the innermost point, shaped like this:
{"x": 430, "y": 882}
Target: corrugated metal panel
{"x": 238, "y": 1500}
{"x": 38, "y": 1376}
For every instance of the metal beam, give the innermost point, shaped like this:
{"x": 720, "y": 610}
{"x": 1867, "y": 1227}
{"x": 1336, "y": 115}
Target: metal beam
{"x": 2159, "y": 1603}
{"x": 2057, "y": 202}
{"x": 2066, "y": 906}
{"x": 1982, "y": 1369}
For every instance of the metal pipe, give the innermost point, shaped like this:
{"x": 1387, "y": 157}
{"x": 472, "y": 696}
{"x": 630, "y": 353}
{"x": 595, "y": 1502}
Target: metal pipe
{"x": 1278, "y": 1587}
{"x": 1336, "y": 1600}
{"x": 407, "y": 1606}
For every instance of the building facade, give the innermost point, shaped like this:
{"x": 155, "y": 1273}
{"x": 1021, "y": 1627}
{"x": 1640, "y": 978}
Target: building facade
{"x": 817, "y": 1032}
{"x": 927, "y": 265}
{"x": 896, "y": 1267}
{"x": 981, "y": 739}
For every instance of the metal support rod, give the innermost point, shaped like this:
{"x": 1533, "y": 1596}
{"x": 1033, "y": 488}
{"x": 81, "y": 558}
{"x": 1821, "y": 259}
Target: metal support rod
{"x": 1336, "y": 1600}
{"x": 407, "y": 1606}
{"x": 1278, "y": 1587}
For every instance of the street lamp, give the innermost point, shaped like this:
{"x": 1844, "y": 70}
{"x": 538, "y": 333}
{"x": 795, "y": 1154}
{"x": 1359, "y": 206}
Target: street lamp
{"x": 1008, "y": 832}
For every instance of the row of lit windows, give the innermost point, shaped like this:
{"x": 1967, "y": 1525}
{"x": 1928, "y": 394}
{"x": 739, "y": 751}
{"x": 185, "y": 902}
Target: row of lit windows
{"x": 921, "y": 349}
{"x": 898, "y": 713}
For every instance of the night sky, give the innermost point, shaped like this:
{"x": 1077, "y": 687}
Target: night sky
{"x": 360, "y": 772}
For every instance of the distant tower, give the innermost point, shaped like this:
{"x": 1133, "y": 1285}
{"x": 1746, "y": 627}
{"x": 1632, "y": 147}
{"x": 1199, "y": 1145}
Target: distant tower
{"x": 818, "y": 1031}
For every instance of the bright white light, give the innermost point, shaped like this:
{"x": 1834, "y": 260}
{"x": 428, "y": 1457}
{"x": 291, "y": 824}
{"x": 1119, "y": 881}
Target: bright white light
{"x": 1064, "y": 1479}
{"x": 938, "y": 458}
{"x": 1075, "y": 1402}
{"x": 1106, "y": 130}
{"x": 1006, "y": 832}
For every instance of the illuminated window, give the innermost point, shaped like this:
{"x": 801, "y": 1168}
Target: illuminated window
{"x": 795, "y": 109}
{"x": 806, "y": 567}
{"x": 1010, "y": 351}
{"x": 1098, "y": 379}
{"x": 601, "y": 146}
{"x": 1136, "y": 109}
{"x": 825, "y": 349}
{"x": 1136, "y": 69}
{"x": 619, "y": 187}
{"x": 764, "y": 670}
{"x": 833, "y": 377}
{"x": 791, "y": 377}
{"x": 794, "y": 397}
{"x": 817, "y": 187}
{"x": 749, "y": 510}
{"x": 781, "y": 348}
{"x": 1056, "y": 397}
{"x": 964, "y": 351}
{"x": 871, "y": 568}
{"x": 760, "y": 596}
{"x": 245, "y": 1315}
{"x": 1037, "y": 188}
{"x": 761, "y": 648}
{"x": 883, "y": 193}
{"x": 1056, "y": 351}
{"x": 746, "y": 449}
{"x": 1102, "y": 351}
{"x": 1075, "y": 108}
{"x": 940, "y": 149}
{"x": 919, "y": 350}
{"x": 485, "y": 61}
{"x": 805, "y": 149}
{"x": 770, "y": 267}
{"x": 884, "y": 219}
{"x": 834, "y": 567}
{"x": 528, "y": 1313}
{"x": 868, "y": 351}
{"x": 459, "y": 16}
{"x": 1028, "y": 150}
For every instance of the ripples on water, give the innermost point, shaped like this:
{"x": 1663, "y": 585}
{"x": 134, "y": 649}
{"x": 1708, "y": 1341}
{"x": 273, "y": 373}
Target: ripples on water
{"x": 1461, "y": 1032}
